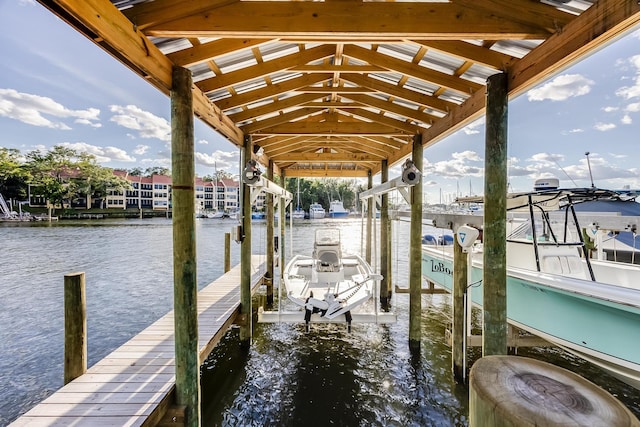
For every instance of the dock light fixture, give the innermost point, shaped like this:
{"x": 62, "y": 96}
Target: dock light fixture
{"x": 251, "y": 173}
{"x": 410, "y": 176}
{"x": 410, "y": 173}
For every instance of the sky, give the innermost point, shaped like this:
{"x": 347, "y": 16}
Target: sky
{"x": 58, "y": 88}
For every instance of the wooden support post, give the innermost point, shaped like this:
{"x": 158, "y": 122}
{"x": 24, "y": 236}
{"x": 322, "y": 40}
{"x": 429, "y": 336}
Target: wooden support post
{"x": 458, "y": 348}
{"x": 494, "y": 277}
{"x": 268, "y": 276}
{"x": 415, "y": 251}
{"x": 245, "y": 254}
{"x": 370, "y": 208}
{"x": 282, "y": 228}
{"x": 227, "y": 252}
{"x": 75, "y": 326}
{"x": 385, "y": 242}
{"x": 185, "y": 283}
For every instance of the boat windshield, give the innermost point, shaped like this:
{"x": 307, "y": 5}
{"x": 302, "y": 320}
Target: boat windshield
{"x": 327, "y": 236}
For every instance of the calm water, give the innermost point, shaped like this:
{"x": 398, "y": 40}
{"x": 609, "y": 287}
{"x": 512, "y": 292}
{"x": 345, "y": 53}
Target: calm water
{"x": 368, "y": 377}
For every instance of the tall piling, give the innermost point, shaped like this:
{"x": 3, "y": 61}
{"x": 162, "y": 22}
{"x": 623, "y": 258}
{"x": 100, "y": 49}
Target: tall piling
{"x": 458, "y": 333}
{"x": 415, "y": 251}
{"x": 268, "y": 275}
{"x": 494, "y": 277}
{"x": 245, "y": 320}
{"x": 227, "y": 252}
{"x": 75, "y": 326}
{"x": 370, "y": 207}
{"x": 185, "y": 283}
{"x": 385, "y": 242}
{"x": 281, "y": 207}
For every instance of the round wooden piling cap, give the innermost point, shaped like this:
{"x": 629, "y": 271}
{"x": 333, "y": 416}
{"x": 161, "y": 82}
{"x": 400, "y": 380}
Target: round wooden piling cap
{"x": 514, "y": 391}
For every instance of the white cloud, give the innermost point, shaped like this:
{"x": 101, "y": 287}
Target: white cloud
{"x": 466, "y": 155}
{"x": 34, "y": 110}
{"x": 547, "y": 158}
{"x": 472, "y": 129}
{"x": 102, "y": 154}
{"x": 140, "y": 149}
{"x": 203, "y": 142}
{"x": 603, "y": 127}
{"x": 145, "y": 123}
{"x": 459, "y": 166}
{"x": 633, "y": 91}
{"x": 561, "y": 88}
{"x": 633, "y": 108}
{"x": 576, "y": 130}
{"x": 221, "y": 160}
{"x": 626, "y": 120}
{"x": 610, "y": 109}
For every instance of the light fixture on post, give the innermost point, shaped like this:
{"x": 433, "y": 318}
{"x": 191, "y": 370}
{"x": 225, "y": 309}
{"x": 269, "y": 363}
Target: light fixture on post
{"x": 251, "y": 173}
{"x": 410, "y": 174}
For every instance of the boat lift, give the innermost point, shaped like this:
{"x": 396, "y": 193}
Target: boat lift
{"x": 410, "y": 176}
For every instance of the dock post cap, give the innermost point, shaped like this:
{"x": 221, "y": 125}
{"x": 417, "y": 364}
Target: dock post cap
{"x": 506, "y": 391}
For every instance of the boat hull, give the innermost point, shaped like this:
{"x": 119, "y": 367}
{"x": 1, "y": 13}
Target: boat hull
{"x": 595, "y": 321}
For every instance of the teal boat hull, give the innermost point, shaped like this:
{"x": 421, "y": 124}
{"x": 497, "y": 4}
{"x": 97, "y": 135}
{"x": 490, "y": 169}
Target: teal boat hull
{"x": 598, "y": 322}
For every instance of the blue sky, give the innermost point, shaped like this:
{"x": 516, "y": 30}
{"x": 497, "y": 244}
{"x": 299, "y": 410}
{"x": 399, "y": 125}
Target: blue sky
{"x": 58, "y": 88}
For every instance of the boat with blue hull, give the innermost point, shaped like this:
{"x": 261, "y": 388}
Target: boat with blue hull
{"x": 588, "y": 307}
{"x": 337, "y": 210}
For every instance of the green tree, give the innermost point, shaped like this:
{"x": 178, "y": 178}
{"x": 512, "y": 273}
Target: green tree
{"x": 95, "y": 180}
{"x": 62, "y": 174}
{"x": 157, "y": 170}
{"x": 13, "y": 174}
{"x": 50, "y": 172}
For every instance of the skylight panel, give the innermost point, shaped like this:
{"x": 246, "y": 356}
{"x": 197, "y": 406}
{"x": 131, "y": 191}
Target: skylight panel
{"x": 250, "y": 85}
{"x": 517, "y": 48}
{"x": 231, "y": 63}
{"x": 406, "y": 104}
{"x": 276, "y": 50}
{"x": 219, "y": 95}
{"x": 392, "y": 78}
{"x": 283, "y": 76}
{"x": 479, "y": 73}
{"x": 420, "y": 86}
{"x": 402, "y": 52}
{"x": 167, "y": 45}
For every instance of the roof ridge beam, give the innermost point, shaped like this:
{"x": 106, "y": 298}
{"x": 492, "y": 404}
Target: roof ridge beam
{"x": 345, "y": 20}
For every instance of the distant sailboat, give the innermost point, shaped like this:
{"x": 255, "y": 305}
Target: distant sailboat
{"x": 298, "y": 213}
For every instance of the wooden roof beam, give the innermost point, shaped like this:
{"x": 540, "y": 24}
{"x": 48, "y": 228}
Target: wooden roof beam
{"x": 344, "y": 21}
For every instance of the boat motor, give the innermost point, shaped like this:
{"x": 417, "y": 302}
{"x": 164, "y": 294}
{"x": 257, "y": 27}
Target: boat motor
{"x": 410, "y": 173}
{"x": 466, "y": 236}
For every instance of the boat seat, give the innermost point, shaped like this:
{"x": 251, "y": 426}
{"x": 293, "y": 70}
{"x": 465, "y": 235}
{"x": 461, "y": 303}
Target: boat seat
{"x": 328, "y": 258}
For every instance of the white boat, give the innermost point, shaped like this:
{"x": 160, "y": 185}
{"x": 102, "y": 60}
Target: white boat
{"x": 337, "y": 210}
{"x": 298, "y": 214}
{"x": 216, "y": 215}
{"x": 590, "y": 308}
{"x": 316, "y": 211}
{"x": 329, "y": 283}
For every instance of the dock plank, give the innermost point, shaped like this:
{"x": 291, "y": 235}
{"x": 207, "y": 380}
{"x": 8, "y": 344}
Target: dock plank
{"x": 133, "y": 382}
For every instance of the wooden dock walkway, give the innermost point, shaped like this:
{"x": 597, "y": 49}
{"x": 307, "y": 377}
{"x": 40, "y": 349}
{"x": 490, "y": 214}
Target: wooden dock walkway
{"x": 133, "y": 385}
